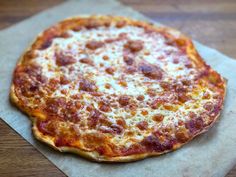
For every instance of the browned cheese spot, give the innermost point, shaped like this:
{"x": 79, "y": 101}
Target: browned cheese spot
{"x": 93, "y": 45}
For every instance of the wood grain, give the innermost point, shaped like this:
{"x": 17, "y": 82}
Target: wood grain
{"x": 212, "y": 22}
{"x": 19, "y": 158}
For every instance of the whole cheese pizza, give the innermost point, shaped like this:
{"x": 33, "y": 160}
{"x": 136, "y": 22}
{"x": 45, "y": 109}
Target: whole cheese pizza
{"x": 115, "y": 89}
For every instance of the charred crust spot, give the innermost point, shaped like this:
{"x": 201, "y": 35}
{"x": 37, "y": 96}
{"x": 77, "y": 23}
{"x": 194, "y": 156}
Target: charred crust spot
{"x": 110, "y": 70}
{"x": 122, "y": 35}
{"x": 182, "y": 97}
{"x": 120, "y": 24}
{"x": 161, "y": 57}
{"x": 124, "y": 100}
{"x": 152, "y": 143}
{"x": 64, "y": 35}
{"x": 94, "y": 117}
{"x": 179, "y": 88}
{"x": 188, "y": 64}
{"x": 148, "y": 30}
{"x": 85, "y": 85}
{"x": 199, "y": 123}
{"x": 215, "y": 79}
{"x": 47, "y": 127}
{"x": 71, "y": 69}
{"x": 97, "y": 94}
{"x": 86, "y": 61}
{"x": 134, "y": 45}
{"x": 117, "y": 129}
{"x": 110, "y": 40}
{"x": 64, "y": 91}
{"x": 169, "y": 41}
{"x": 47, "y": 43}
{"x": 92, "y": 24}
{"x": 165, "y": 85}
{"x": 182, "y": 135}
{"x": 64, "y": 60}
{"x": 133, "y": 113}
{"x": 107, "y": 86}
{"x": 208, "y": 106}
{"x": 140, "y": 98}
{"x": 93, "y": 45}
{"x": 169, "y": 107}
{"x": 47, "y": 37}
{"x": 186, "y": 82}
{"x": 62, "y": 141}
{"x": 33, "y": 88}
{"x": 89, "y": 108}
{"x": 92, "y": 140}
{"x": 143, "y": 125}
{"x": 78, "y": 104}
{"x": 156, "y": 104}
{"x": 175, "y": 60}
{"x": 53, "y": 104}
{"x": 121, "y": 122}
{"x": 123, "y": 83}
{"x": 104, "y": 107}
{"x": 105, "y": 57}
{"x": 128, "y": 60}
{"x": 144, "y": 112}
{"x": 53, "y": 84}
{"x": 30, "y": 55}
{"x": 147, "y": 53}
{"x": 168, "y": 144}
{"x": 150, "y": 71}
{"x": 192, "y": 115}
{"x": 151, "y": 92}
{"x": 77, "y": 28}
{"x": 113, "y": 129}
{"x": 206, "y": 95}
{"x": 114, "y": 105}
{"x": 64, "y": 80}
{"x": 76, "y": 96}
{"x": 132, "y": 107}
{"x": 180, "y": 122}
{"x": 107, "y": 23}
{"x": 101, "y": 150}
{"x": 158, "y": 117}
{"x": 195, "y": 124}
{"x": 130, "y": 70}
{"x": 180, "y": 42}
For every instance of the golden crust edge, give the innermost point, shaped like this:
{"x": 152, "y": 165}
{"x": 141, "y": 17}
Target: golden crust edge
{"x": 93, "y": 155}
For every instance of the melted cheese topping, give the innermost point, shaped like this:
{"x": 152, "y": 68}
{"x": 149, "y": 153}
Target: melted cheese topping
{"x": 154, "y": 55}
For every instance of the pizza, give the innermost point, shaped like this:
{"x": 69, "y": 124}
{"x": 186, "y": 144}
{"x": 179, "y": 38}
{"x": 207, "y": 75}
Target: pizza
{"x": 114, "y": 89}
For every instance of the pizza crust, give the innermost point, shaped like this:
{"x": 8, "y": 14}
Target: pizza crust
{"x": 92, "y": 155}
{"x": 96, "y": 157}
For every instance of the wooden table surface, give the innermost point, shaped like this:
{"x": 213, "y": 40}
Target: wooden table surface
{"x": 212, "y": 22}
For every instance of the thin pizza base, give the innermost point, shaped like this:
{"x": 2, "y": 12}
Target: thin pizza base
{"x": 92, "y": 155}
{"x": 96, "y": 157}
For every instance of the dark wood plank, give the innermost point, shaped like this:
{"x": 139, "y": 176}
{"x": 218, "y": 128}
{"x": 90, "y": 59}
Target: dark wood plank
{"x": 19, "y": 158}
{"x": 212, "y": 22}
{"x": 12, "y": 11}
